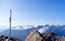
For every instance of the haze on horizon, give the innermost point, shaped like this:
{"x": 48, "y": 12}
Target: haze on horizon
{"x": 27, "y": 12}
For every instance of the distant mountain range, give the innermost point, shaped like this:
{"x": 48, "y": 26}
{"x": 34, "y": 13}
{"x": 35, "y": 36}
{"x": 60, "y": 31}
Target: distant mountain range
{"x": 21, "y": 32}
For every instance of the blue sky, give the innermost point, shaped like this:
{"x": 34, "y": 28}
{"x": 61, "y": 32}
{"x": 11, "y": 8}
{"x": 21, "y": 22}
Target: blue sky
{"x": 32, "y": 12}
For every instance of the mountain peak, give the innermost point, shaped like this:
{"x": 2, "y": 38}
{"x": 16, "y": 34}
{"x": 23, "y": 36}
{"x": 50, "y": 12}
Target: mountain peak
{"x": 34, "y": 36}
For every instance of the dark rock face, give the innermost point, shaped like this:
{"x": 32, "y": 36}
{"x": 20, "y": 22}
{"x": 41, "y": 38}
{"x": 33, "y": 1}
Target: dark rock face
{"x": 7, "y": 38}
{"x": 36, "y": 36}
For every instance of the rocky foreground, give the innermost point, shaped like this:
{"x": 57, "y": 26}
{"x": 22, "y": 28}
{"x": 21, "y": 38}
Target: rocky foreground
{"x": 36, "y": 36}
{"x": 7, "y": 38}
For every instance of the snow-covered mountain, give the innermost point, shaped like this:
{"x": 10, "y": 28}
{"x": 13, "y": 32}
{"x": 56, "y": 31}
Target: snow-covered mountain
{"x": 60, "y": 30}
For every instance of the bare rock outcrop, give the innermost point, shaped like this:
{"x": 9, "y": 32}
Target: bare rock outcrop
{"x": 34, "y": 36}
{"x": 7, "y": 38}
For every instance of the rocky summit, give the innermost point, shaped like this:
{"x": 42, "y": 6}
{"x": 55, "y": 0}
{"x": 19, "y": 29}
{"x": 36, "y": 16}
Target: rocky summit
{"x": 37, "y": 36}
{"x": 34, "y": 36}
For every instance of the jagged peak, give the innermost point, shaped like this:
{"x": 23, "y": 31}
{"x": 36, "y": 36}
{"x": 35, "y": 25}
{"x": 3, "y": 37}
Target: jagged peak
{"x": 34, "y": 36}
